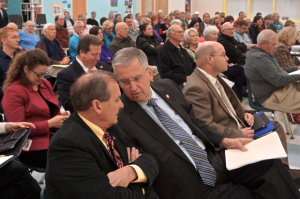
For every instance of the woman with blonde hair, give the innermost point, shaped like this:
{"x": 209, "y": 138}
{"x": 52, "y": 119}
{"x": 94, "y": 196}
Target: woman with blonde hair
{"x": 286, "y": 38}
{"x": 217, "y": 22}
{"x": 108, "y": 34}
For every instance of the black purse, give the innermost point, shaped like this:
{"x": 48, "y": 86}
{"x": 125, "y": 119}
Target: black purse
{"x": 9, "y": 140}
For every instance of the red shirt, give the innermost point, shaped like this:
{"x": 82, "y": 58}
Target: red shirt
{"x": 23, "y": 104}
{"x": 62, "y": 36}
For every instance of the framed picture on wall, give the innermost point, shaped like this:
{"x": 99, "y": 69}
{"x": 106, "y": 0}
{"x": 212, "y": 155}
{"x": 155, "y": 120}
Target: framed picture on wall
{"x": 114, "y": 3}
{"x": 56, "y": 9}
{"x": 187, "y": 5}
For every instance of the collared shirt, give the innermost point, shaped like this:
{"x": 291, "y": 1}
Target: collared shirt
{"x": 213, "y": 80}
{"x": 100, "y": 134}
{"x": 137, "y": 23}
{"x": 69, "y": 24}
{"x": 1, "y": 12}
{"x": 279, "y": 26}
{"x": 206, "y": 25}
{"x": 86, "y": 69}
{"x": 87, "y": 29}
{"x": 243, "y": 39}
{"x": 168, "y": 110}
{"x": 133, "y": 34}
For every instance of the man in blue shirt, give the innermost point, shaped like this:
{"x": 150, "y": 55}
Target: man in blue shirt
{"x": 74, "y": 40}
{"x": 277, "y": 23}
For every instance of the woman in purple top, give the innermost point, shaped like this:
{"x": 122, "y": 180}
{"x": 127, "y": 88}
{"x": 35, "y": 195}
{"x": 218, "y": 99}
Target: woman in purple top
{"x": 105, "y": 55}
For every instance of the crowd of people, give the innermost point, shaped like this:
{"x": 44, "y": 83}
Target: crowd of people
{"x": 147, "y": 110}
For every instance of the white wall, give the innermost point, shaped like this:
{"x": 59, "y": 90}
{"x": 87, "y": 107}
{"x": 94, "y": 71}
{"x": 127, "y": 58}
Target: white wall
{"x": 176, "y": 5}
{"x": 209, "y": 6}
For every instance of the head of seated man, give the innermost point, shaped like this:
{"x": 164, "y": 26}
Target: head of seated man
{"x": 49, "y": 31}
{"x": 267, "y": 40}
{"x": 59, "y": 21}
{"x": 82, "y": 18}
{"x": 10, "y": 40}
{"x": 241, "y": 26}
{"x": 227, "y": 29}
{"x": 12, "y": 25}
{"x": 122, "y": 30}
{"x": 79, "y": 28}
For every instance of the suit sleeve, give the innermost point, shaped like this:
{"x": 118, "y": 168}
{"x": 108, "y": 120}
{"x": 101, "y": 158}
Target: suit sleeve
{"x": 113, "y": 49}
{"x": 203, "y": 111}
{"x": 64, "y": 83}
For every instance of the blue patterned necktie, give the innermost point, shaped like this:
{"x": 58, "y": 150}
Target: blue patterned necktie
{"x": 206, "y": 171}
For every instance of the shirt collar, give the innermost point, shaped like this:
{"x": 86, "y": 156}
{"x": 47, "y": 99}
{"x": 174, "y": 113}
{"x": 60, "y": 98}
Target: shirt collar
{"x": 153, "y": 95}
{"x": 4, "y": 55}
{"x": 96, "y": 129}
{"x": 212, "y": 79}
{"x": 86, "y": 69}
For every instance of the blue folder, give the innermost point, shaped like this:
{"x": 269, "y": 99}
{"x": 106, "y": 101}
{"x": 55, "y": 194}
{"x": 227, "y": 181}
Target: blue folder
{"x": 265, "y": 131}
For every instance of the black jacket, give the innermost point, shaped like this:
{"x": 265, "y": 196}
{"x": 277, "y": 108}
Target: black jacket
{"x": 272, "y": 27}
{"x": 67, "y": 77}
{"x": 65, "y": 23}
{"x": 254, "y": 33}
{"x": 78, "y": 164}
{"x": 92, "y": 22}
{"x": 3, "y": 19}
{"x": 234, "y": 49}
{"x": 143, "y": 42}
{"x": 174, "y": 64}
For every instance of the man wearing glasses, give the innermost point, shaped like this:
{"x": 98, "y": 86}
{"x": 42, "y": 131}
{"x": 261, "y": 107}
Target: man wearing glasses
{"x": 174, "y": 62}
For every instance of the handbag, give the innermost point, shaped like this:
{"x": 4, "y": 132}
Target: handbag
{"x": 8, "y": 141}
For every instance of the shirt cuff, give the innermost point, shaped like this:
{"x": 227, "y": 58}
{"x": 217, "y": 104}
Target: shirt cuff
{"x": 141, "y": 177}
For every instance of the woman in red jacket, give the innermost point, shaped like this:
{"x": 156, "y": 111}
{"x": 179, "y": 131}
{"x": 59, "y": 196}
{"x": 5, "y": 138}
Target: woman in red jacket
{"x": 28, "y": 97}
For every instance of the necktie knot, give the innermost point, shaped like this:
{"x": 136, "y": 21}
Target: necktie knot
{"x": 151, "y": 102}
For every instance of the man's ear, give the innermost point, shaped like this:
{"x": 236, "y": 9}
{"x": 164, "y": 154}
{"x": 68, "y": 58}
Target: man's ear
{"x": 97, "y": 106}
{"x": 150, "y": 73}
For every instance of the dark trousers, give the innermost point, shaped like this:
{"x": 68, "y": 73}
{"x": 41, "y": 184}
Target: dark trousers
{"x": 265, "y": 179}
{"x": 17, "y": 183}
{"x": 236, "y": 74}
{"x": 34, "y": 158}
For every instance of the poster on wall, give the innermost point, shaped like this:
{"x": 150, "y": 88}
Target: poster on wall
{"x": 56, "y": 9}
{"x": 128, "y": 7}
{"x": 114, "y": 3}
{"x": 187, "y": 5}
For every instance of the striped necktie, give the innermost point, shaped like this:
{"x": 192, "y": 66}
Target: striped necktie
{"x": 111, "y": 145}
{"x": 206, "y": 171}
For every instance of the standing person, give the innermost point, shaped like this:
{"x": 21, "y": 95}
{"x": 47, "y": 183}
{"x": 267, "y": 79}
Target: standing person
{"x": 92, "y": 21}
{"x": 256, "y": 28}
{"x": 28, "y": 39}
{"x": 163, "y": 28}
{"x": 109, "y": 36}
{"x": 241, "y": 16}
{"x": 137, "y": 20}
{"x": 267, "y": 23}
{"x": 68, "y": 22}
{"x": 183, "y": 23}
{"x": 61, "y": 32}
{"x": 29, "y": 97}
{"x": 86, "y": 27}
{"x": 276, "y": 22}
{"x": 74, "y": 40}
{"x": 148, "y": 43}
{"x": 111, "y": 17}
{"x": 3, "y": 17}
{"x": 196, "y": 24}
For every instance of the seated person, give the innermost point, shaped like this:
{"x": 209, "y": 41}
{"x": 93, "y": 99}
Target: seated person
{"x": 256, "y": 28}
{"x": 121, "y": 40}
{"x": 155, "y": 32}
{"x": 211, "y": 33}
{"x": 271, "y": 84}
{"x": 10, "y": 43}
{"x": 105, "y": 55}
{"x": 86, "y": 27}
{"x": 133, "y": 33}
{"x": 215, "y": 103}
{"x": 68, "y": 22}
{"x": 90, "y": 156}
{"x": 196, "y": 24}
{"x": 267, "y": 23}
{"x": 28, "y": 39}
{"x": 73, "y": 43}
{"x": 92, "y": 21}
{"x": 163, "y": 28}
{"x": 109, "y": 36}
{"x": 148, "y": 43}
{"x": 29, "y": 97}
{"x": 61, "y": 33}
{"x": 89, "y": 50}
{"x": 16, "y": 181}
{"x": 286, "y": 38}
{"x": 151, "y": 113}
{"x": 173, "y": 61}
{"x": 190, "y": 41}
{"x": 241, "y": 36}
{"x": 52, "y": 47}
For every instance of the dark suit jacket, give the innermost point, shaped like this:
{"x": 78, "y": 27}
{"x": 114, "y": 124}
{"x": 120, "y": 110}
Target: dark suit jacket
{"x": 177, "y": 178}
{"x": 3, "y": 19}
{"x": 78, "y": 164}
{"x": 67, "y": 77}
{"x": 65, "y": 23}
{"x": 272, "y": 27}
{"x": 209, "y": 106}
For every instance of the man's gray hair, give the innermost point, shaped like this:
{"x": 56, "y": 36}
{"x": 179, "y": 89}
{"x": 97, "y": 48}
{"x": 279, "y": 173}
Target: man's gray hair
{"x": 76, "y": 23}
{"x": 170, "y": 30}
{"x": 176, "y": 11}
{"x": 186, "y": 37}
{"x": 45, "y": 28}
{"x": 209, "y": 30}
{"x": 187, "y": 13}
{"x": 175, "y": 21}
{"x": 80, "y": 17}
{"x": 223, "y": 26}
{"x": 247, "y": 19}
{"x": 29, "y": 21}
{"x": 273, "y": 15}
{"x": 266, "y": 35}
{"x": 126, "y": 56}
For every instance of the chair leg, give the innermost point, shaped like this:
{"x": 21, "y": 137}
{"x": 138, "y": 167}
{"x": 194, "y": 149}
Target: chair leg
{"x": 287, "y": 125}
{"x": 293, "y": 121}
{"x": 42, "y": 179}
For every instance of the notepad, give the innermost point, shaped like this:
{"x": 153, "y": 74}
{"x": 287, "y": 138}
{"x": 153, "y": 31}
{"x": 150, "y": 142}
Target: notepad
{"x": 228, "y": 82}
{"x": 60, "y": 66}
{"x": 264, "y": 148}
{"x": 3, "y": 160}
{"x": 297, "y": 72}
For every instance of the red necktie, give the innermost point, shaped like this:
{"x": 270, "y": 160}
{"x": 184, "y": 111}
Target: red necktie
{"x": 110, "y": 144}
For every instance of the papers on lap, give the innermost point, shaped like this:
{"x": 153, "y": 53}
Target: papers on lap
{"x": 265, "y": 148}
{"x": 295, "y": 72}
{"x": 60, "y": 66}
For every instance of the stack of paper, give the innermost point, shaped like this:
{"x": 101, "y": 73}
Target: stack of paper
{"x": 297, "y": 72}
{"x": 265, "y": 148}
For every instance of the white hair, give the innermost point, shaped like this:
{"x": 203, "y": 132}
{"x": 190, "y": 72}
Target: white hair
{"x": 186, "y": 37}
{"x": 223, "y": 26}
{"x": 77, "y": 22}
{"x": 80, "y": 17}
{"x": 266, "y": 35}
{"x": 45, "y": 28}
{"x": 247, "y": 19}
{"x": 175, "y": 21}
{"x": 209, "y": 30}
{"x": 29, "y": 21}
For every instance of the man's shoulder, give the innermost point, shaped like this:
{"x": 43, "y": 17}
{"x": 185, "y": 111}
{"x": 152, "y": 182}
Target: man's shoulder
{"x": 69, "y": 71}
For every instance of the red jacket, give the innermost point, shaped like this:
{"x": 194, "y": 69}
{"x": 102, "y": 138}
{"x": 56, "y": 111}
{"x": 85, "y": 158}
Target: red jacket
{"x": 23, "y": 104}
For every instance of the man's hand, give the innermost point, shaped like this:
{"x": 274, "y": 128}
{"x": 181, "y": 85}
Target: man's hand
{"x": 250, "y": 46}
{"x": 249, "y": 119}
{"x": 133, "y": 154}
{"x": 237, "y": 143}
{"x": 15, "y": 126}
{"x": 122, "y": 177}
{"x": 248, "y": 132}
{"x": 81, "y": 33}
{"x": 65, "y": 60}
{"x": 187, "y": 78}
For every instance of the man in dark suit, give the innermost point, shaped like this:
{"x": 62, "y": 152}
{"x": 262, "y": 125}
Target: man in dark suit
{"x": 68, "y": 22}
{"x": 179, "y": 175}
{"x": 88, "y": 50}
{"x": 90, "y": 156}
{"x": 3, "y": 17}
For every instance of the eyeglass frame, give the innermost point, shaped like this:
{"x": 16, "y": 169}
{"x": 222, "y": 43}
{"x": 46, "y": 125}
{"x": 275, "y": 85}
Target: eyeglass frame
{"x": 219, "y": 55}
{"x": 135, "y": 79}
{"x": 40, "y": 75}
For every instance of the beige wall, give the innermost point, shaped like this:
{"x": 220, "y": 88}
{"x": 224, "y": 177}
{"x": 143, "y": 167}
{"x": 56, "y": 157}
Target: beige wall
{"x": 209, "y": 6}
{"x": 176, "y": 5}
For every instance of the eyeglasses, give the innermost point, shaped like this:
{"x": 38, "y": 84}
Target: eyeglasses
{"x": 40, "y": 75}
{"x": 136, "y": 79}
{"x": 219, "y": 55}
{"x": 229, "y": 29}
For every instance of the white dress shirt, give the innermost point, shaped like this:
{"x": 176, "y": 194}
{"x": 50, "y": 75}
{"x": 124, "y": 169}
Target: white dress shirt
{"x": 168, "y": 110}
{"x": 86, "y": 69}
{"x": 69, "y": 24}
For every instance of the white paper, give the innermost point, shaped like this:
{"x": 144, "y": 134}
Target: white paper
{"x": 228, "y": 82}
{"x": 295, "y": 72}
{"x": 264, "y": 148}
{"x": 4, "y": 159}
{"x": 60, "y": 66}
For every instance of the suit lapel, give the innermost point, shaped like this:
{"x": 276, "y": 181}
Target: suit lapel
{"x": 78, "y": 69}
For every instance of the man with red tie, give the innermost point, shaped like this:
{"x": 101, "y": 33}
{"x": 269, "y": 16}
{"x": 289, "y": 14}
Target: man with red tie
{"x": 90, "y": 156}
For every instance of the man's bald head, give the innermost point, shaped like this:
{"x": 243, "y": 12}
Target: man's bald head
{"x": 205, "y": 49}
{"x": 121, "y": 30}
{"x": 12, "y": 25}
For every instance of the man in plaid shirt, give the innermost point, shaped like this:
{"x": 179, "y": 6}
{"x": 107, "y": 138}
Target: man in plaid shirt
{"x": 277, "y": 23}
